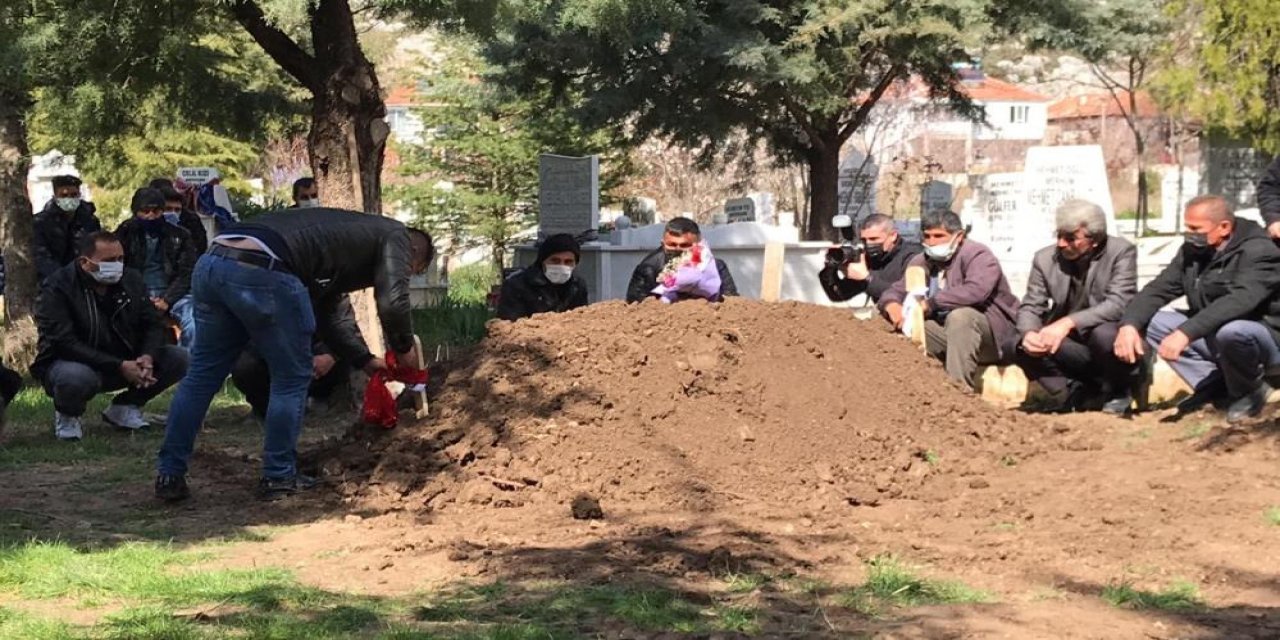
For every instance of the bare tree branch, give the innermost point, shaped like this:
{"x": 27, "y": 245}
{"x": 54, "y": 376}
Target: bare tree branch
{"x": 277, "y": 44}
{"x": 864, "y": 110}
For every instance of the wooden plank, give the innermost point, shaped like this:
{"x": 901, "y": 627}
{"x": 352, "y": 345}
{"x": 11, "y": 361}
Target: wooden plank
{"x": 771, "y": 279}
{"x": 916, "y": 278}
{"x": 420, "y": 397}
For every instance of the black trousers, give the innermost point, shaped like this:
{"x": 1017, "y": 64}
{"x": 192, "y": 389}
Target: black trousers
{"x": 251, "y": 377}
{"x": 1088, "y": 358}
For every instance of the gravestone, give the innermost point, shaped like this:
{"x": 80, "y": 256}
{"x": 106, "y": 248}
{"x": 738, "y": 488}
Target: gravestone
{"x": 568, "y": 194}
{"x": 994, "y": 213}
{"x": 935, "y": 195}
{"x": 857, "y": 185}
{"x": 1055, "y": 175}
{"x": 641, "y": 210}
{"x": 740, "y": 210}
{"x": 1232, "y": 170}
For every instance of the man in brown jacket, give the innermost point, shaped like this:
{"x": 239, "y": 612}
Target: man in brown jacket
{"x": 969, "y": 310}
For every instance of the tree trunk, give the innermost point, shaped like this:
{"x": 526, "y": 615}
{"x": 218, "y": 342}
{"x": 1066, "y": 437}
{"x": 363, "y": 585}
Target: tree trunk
{"x": 348, "y": 135}
{"x": 16, "y": 224}
{"x": 824, "y": 185}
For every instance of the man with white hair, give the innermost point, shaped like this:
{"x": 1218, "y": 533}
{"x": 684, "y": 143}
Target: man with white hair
{"x": 1068, "y": 320}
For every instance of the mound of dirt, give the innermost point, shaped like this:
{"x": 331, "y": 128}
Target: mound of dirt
{"x": 688, "y": 407}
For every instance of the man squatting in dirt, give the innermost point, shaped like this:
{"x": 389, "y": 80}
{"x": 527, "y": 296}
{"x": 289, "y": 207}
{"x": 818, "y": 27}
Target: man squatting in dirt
{"x": 968, "y": 307}
{"x": 272, "y": 283}
{"x": 1069, "y": 318}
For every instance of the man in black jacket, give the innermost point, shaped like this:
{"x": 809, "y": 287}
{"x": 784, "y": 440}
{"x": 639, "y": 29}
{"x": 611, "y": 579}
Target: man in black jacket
{"x": 253, "y": 378}
{"x": 273, "y": 282}
{"x": 1229, "y": 271}
{"x": 10, "y": 385}
{"x": 549, "y": 285}
{"x": 680, "y": 235}
{"x": 60, "y": 227}
{"x": 177, "y": 213}
{"x": 98, "y": 331}
{"x": 882, "y": 263}
{"x": 164, "y": 254}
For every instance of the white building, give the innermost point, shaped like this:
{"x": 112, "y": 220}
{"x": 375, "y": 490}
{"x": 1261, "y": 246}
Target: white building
{"x": 402, "y": 116}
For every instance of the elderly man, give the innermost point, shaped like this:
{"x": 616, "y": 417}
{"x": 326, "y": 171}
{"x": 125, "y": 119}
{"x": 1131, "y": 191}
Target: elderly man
{"x": 1229, "y": 271}
{"x": 968, "y": 307}
{"x": 882, "y": 263}
{"x": 680, "y": 235}
{"x": 1069, "y": 318}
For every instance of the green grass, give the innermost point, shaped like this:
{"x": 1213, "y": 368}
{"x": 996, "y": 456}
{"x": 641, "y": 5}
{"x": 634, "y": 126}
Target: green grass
{"x": 745, "y": 582}
{"x": 1272, "y": 515}
{"x": 1179, "y": 596}
{"x": 451, "y": 323}
{"x": 892, "y": 584}
{"x": 932, "y": 457}
{"x": 470, "y": 284}
{"x": 1195, "y": 430}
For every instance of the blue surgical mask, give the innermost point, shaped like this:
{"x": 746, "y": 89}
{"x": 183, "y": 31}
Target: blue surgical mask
{"x": 108, "y": 272}
{"x": 171, "y": 217}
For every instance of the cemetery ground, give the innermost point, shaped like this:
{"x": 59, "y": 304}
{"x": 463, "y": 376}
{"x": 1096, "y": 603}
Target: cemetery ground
{"x": 1078, "y": 526}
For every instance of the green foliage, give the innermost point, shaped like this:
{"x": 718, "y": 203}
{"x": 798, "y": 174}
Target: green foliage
{"x": 1179, "y": 596}
{"x": 1228, "y": 76}
{"x": 470, "y": 284}
{"x": 452, "y": 323}
{"x": 1272, "y": 515}
{"x": 892, "y": 584}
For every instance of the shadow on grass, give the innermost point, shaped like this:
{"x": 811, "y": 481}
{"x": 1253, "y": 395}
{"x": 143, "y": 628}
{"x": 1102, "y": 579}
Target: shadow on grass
{"x": 1180, "y": 602}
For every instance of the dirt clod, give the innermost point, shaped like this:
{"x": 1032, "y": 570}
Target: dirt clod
{"x": 585, "y": 507}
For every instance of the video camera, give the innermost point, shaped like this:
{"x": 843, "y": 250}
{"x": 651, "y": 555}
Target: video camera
{"x": 851, "y": 247}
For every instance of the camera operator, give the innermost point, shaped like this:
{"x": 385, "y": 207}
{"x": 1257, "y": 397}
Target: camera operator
{"x": 869, "y": 266}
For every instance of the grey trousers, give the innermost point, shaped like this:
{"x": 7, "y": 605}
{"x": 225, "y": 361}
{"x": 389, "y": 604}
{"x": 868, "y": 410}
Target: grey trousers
{"x": 963, "y": 343}
{"x": 1239, "y": 353}
{"x": 72, "y": 385}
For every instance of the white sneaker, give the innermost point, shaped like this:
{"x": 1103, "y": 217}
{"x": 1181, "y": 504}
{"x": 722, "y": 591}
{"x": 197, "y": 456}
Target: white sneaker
{"x": 67, "y": 427}
{"x": 125, "y": 416}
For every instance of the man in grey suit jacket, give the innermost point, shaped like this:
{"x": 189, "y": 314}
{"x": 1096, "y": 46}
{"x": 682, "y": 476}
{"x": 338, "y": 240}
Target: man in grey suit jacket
{"x": 1068, "y": 320}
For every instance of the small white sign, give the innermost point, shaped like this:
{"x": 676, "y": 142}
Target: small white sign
{"x": 196, "y": 176}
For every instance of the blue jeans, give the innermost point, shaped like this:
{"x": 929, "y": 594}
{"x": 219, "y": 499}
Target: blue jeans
{"x": 183, "y": 313}
{"x": 1239, "y": 353}
{"x": 237, "y": 305}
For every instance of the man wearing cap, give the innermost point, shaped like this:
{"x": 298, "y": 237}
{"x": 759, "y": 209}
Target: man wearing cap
{"x": 165, "y": 255}
{"x": 60, "y": 227}
{"x": 548, "y": 285}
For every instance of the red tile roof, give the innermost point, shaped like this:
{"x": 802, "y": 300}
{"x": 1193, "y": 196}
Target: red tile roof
{"x": 401, "y": 96}
{"x": 990, "y": 89}
{"x": 1094, "y": 105}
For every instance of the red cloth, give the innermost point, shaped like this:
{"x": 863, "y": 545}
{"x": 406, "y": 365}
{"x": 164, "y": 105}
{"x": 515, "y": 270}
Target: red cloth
{"x": 379, "y": 405}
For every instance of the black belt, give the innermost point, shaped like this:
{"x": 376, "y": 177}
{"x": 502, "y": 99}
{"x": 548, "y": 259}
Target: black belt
{"x": 251, "y": 258}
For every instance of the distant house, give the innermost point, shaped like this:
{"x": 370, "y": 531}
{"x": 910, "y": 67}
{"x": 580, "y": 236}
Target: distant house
{"x": 1097, "y": 118}
{"x": 406, "y": 124}
{"x": 909, "y": 123}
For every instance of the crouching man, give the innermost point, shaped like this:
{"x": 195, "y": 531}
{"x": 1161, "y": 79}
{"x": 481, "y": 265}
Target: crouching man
{"x": 882, "y": 263}
{"x": 99, "y": 331}
{"x": 549, "y": 285}
{"x": 968, "y": 307}
{"x": 680, "y": 236}
{"x": 1069, "y": 318}
{"x": 1229, "y": 271}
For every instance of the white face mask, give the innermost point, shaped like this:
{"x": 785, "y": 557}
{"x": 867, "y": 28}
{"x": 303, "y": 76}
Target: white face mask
{"x": 68, "y": 204}
{"x": 309, "y": 203}
{"x": 557, "y": 273}
{"x": 108, "y": 272}
{"x": 940, "y": 252}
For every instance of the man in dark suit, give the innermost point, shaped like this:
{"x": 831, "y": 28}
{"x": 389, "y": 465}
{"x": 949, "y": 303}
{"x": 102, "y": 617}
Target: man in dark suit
{"x": 1068, "y": 320}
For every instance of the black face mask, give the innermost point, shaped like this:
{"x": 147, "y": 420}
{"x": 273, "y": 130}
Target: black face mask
{"x": 875, "y": 252}
{"x": 672, "y": 255}
{"x": 1197, "y": 244}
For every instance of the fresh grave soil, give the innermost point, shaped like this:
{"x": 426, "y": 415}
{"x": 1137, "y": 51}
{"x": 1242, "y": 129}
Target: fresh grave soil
{"x": 692, "y": 445}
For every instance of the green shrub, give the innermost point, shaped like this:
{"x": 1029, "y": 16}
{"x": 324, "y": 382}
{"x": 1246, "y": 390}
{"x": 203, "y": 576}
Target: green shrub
{"x": 470, "y": 284}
